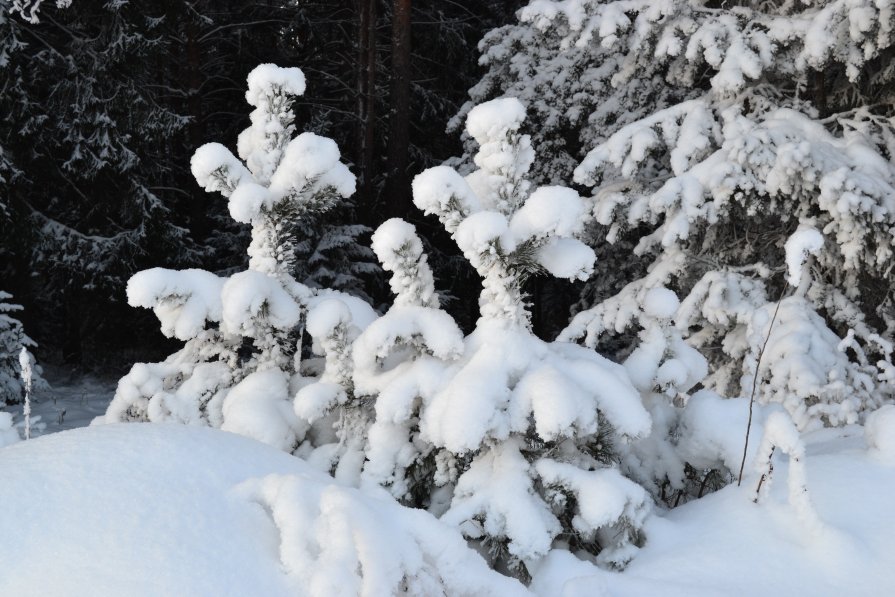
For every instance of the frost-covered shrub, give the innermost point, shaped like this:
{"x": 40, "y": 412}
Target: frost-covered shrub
{"x": 515, "y": 433}
{"x": 241, "y": 362}
{"x": 12, "y": 340}
{"x": 664, "y": 368}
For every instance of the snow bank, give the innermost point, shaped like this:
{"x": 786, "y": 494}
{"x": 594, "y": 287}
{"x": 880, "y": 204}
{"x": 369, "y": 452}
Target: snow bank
{"x": 173, "y": 510}
{"x": 724, "y": 544}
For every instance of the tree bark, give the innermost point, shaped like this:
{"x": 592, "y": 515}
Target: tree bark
{"x": 366, "y": 97}
{"x": 398, "y": 193}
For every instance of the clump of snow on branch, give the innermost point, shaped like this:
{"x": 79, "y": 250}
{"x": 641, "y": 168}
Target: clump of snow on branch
{"x": 804, "y": 242}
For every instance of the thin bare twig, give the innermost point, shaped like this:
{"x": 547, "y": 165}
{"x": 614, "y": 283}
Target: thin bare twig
{"x": 755, "y": 384}
{"x": 766, "y": 475}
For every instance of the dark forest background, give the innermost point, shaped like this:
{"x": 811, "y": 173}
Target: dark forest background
{"x": 103, "y": 104}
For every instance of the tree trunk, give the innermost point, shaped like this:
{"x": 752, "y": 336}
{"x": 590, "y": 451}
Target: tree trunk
{"x": 193, "y": 82}
{"x": 366, "y": 97}
{"x": 398, "y": 186}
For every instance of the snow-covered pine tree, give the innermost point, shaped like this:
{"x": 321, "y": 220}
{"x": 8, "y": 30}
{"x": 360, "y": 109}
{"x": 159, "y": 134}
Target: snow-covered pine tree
{"x": 520, "y": 430}
{"x": 243, "y": 333}
{"x": 84, "y": 135}
{"x": 664, "y": 368}
{"x": 400, "y": 359}
{"x": 12, "y": 341}
{"x": 779, "y": 118}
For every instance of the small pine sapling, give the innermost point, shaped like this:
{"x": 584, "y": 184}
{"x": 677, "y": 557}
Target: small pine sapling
{"x": 243, "y": 333}
{"x": 519, "y": 428}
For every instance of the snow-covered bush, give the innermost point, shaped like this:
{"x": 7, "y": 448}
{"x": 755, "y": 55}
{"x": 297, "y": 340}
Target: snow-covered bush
{"x": 12, "y": 340}
{"x": 242, "y": 359}
{"x": 516, "y": 433}
{"x": 664, "y": 369}
{"x": 754, "y": 123}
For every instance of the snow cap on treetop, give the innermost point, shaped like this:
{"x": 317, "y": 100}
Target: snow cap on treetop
{"x": 391, "y": 236}
{"x": 266, "y": 76}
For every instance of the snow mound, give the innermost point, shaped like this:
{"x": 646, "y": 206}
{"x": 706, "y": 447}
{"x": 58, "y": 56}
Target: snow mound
{"x": 880, "y": 433}
{"x": 160, "y": 509}
{"x": 726, "y": 544}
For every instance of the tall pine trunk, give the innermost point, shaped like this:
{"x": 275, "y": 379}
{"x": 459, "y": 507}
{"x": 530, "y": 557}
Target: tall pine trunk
{"x": 366, "y": 97}
{"x": 398, "y": 186}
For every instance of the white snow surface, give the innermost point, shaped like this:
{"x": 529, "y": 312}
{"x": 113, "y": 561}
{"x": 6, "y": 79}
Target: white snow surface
{"x": 725, "y": 544}
{"x": 150, "y": 509}
{"x": 156, "y": 509}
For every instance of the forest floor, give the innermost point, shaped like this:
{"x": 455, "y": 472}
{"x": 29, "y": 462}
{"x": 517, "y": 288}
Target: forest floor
{"x": 73, "y": 400}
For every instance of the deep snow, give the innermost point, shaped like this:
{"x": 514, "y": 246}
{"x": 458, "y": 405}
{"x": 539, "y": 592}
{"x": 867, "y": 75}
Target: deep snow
{"x": 152, "y": 509}
{"x": 724, "y": 544}
{"x": 167, "y": 509}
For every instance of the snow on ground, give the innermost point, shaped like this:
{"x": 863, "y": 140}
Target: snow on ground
{"x": 150, "y": 509}
{"x": 72, "y": 401}
{"x": 166, "y": 509}
{"x": 726, "y": 545}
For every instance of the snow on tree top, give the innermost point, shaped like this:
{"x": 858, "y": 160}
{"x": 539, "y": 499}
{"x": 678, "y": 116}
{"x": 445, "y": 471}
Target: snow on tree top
{"x": 265, "y": 77}
{"x": 391, "y": 236}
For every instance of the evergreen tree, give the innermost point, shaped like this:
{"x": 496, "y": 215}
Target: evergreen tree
{"x": 13, "y": 341}
{"x": 513, "y": 431}
{"x": 747, "y": 122}
{"x": 81, "y": 182}
{"x": 243, "y": 332}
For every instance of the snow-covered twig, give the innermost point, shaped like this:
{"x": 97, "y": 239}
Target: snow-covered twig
{"x": 27, "y": 378}
{"x": 780, "y": 432}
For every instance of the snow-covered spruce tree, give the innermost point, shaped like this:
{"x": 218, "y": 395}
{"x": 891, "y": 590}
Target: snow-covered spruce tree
{"x": 12, "y": 340}
{"x": 243, "y": 333}
{"x": 519, "y": 431}
{"x": 572, "y": 105}
{"x": 791, "y": 126}
{"x": 401, "y": 358}
{"x": 337, "y": 406}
